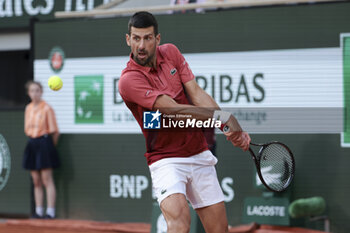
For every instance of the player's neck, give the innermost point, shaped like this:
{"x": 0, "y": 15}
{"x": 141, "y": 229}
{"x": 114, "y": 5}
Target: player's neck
{"x": 154, "y": 63}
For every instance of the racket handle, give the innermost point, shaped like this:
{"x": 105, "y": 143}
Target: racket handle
{"x": 255, "y": 144}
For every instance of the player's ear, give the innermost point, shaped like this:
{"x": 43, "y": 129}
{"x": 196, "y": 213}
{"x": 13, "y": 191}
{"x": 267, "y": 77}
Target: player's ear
{"x": 127, "y": 38}
{"x": 158, "y": 39}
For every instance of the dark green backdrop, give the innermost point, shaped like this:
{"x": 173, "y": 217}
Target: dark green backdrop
{"x": 88, "y": 160}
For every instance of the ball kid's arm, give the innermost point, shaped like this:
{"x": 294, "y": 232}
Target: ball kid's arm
{"x": 55, "y": 137}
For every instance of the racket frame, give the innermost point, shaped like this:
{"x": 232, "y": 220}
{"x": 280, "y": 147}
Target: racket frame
{"x": 225, "y": 128}
{"x": 258, "y": 168}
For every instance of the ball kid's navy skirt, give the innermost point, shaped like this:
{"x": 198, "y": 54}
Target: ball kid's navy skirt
{"x": 40, "y": 153}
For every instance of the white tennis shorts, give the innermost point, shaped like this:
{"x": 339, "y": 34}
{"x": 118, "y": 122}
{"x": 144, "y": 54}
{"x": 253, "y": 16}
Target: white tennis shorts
{"x": 194, "y": 176}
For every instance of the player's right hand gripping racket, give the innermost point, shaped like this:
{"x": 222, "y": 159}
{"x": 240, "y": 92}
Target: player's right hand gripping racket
{"x": 275, "y": 165}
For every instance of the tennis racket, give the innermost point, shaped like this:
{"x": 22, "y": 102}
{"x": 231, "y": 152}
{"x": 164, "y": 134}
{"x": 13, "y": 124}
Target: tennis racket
{"x": 274, "y": 163}
{"x": 5, "y": 162}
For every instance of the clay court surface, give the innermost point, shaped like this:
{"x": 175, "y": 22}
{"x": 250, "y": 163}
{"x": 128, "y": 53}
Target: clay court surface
{"x": 70, "y": 226}
{"x": 77, "y": 226}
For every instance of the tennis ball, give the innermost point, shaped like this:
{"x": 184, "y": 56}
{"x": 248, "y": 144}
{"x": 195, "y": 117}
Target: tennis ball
{"x": 55, "y": 83}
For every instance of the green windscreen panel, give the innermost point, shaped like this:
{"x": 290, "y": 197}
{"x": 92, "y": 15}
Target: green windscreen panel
{"x": 261, "y": 210}
{"x": 346, "y": 80}
{"x": 88, "y": 99}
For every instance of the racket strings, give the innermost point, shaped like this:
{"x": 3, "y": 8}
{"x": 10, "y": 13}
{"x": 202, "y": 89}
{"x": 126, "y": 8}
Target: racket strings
{"x": 277, "y": 167}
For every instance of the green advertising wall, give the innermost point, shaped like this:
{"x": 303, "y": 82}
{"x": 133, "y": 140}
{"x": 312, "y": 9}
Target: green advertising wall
{"x": 346, "y": 77}
{"x": 103, "y": 176}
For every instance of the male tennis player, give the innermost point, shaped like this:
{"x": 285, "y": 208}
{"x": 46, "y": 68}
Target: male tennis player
{"x": 157, "y": 78}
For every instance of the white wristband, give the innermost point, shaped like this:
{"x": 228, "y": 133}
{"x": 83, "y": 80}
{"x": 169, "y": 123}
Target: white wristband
{"x": 221, "y": 116}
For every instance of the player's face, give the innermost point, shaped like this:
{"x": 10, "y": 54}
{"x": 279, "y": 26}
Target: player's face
{"x": 143, "y": 43}
{"x": 35, "y": 92}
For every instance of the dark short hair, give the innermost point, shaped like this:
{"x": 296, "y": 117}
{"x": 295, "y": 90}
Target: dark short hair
{"x": 143, "y": 19}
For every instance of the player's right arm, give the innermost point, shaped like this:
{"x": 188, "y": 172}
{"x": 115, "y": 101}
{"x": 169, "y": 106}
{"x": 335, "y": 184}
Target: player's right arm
{"x": 205, "y": 106}
{"x": 236, "y": 135}
{"x": 134, "y": 88}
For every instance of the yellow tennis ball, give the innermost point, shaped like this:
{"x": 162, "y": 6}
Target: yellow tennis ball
{"x": 55, "y": 83}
